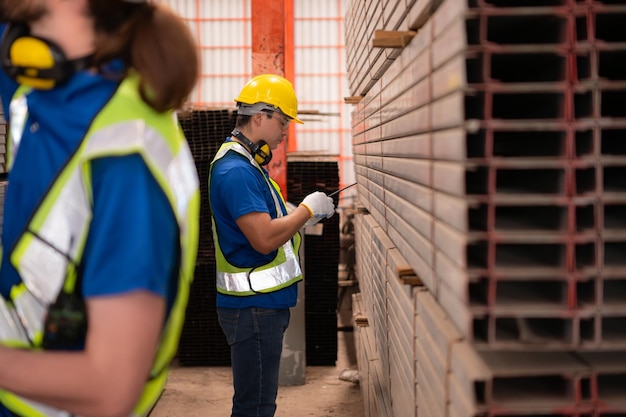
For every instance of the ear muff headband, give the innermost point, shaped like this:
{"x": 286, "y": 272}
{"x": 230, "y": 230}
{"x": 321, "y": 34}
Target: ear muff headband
{"x": 36, "y": 62}
{"x": 261, "y": 151}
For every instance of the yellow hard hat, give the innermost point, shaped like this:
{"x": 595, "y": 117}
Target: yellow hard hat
{"x": 271, "y": 90}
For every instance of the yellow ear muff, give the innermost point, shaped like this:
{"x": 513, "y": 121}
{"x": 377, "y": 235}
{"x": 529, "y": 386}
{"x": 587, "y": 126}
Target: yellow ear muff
{"x": 33, "y": 55}
{"x": 263, "y": 154}
{"x": 36, "y": 62}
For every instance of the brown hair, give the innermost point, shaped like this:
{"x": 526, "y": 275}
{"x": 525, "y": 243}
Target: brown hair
{"x": 152, "y": 40}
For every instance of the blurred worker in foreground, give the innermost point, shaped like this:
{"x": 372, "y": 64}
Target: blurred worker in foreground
{"x": 101, "y": 211}
{"x": 257, "y": 241}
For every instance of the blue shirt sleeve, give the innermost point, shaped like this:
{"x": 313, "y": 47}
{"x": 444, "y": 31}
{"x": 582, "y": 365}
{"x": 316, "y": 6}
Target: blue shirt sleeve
{"x": 133, "y": 242}
{"x": 243, "y": 191}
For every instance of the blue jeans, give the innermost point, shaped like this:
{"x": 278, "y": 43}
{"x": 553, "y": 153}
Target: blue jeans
{"x": 255, "y": 336}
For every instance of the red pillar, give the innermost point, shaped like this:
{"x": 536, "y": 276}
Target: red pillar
{"x": 272, "y": 52}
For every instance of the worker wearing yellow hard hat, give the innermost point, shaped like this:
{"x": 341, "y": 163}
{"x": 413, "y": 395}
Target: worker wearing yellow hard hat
{"x": 257, "y": 241}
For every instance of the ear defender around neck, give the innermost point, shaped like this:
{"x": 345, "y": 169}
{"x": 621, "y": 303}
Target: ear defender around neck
{"x": 260, "y": 151}
{"x": 34, "y": 61}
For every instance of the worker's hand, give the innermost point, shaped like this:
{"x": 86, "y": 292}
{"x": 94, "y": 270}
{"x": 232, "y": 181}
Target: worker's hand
{"x": 320, "y": 207}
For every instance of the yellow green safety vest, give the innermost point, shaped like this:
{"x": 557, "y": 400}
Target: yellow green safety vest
{"x": 283, "y": 271}
{"x": 59, "y": 228}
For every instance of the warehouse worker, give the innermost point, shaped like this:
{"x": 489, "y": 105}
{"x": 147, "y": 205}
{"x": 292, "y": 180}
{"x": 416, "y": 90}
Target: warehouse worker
{"x": 257, "y": 242}
{"x": 101, "y": 210}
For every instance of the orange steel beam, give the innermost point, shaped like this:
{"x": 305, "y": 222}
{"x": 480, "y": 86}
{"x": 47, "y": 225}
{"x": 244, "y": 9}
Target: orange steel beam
{"x": 290, "y": 71}
{"x": 270, "y": 31}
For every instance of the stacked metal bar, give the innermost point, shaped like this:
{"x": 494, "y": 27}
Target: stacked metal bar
{"x": 321, "y": 250}
{"x": 490, "y": 152}
{"x": 202, "y": 341}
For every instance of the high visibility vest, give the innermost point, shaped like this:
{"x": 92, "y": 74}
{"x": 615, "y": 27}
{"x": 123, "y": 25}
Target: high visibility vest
{"x": 46, "y": 254}
{"x": 283, "y": 271}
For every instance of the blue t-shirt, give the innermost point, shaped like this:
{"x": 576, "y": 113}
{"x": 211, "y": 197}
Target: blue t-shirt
{"x": 133, "y": 238}
{"x": 238, "y": 188}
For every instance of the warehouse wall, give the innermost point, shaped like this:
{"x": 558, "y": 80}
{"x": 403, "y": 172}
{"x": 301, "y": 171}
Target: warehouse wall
{"x": 489, "y": 154}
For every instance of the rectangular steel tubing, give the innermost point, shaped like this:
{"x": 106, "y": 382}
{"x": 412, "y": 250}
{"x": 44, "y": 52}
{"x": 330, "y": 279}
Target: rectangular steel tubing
{"x": 411, "y": 67}
{"x": 411, "y": 192}
{"x": 449, "y": 111}
{"x": 376, "y": 190}
{"x": 450, "y": 77}
{"x": 458, "y": 312}
{"x": 529, "y": 105}
{"x": 401, "y": 369}
{"x": 462, "y": 249}
{"x": 608, "y": 20}
{"x": 548, "y": 378}
{"x": 431, "y": 362}
{"x": 608, "y": 373}
{"x": 453, "y": 41}
{"x": 401, "y": 357}
{"x": 423, "y": 247}
{"x": 400, "y": 332}
{"x": 399, "y": 295}
{"x": 504, "y": 27}
{"x": 383, "y": 397}
{"x": 612, "y": 330}
{"x": 375, "y": 177}
{"x": 542, "y": 295}
{"x": 458, "y": 280}
{"x": 394, "y": 14}
{"x": 528, "y": 329}
{"x": 382, "y": 242}
{"x": 380, "y": 63}
{"x": 456, "y": 144}
{"x": 371, "y": 107}
{"x": 460, "y": 404}
{"x": 471, "y": 374}
{"x": 414, "y": 122}
{"x": 397, "y": 265}
{"x": 425, "y": 404}
{"x": 441, "y": 330}
{"x": 414, "y": 146}
{"x": 373, "y": 148}
{"x": 612, "y": 291}
{"x": 373, "y": 133}
{"x": 415, "y": 170}
{"x": 430, "y": 396}
{"x": 413, "y": 98}
{"x": 455, "y": 211}
{"x": 415, "y": 217}
{"x": 447, "y": 13}
{"x": 420, "y": 12}
{"x": 377, "y": 210}
{"x": 374, "y": 162}
{"x": 421, "y": 268}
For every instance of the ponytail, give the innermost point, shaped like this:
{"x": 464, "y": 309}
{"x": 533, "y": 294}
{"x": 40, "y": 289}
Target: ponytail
{"x": 155, "y": 42}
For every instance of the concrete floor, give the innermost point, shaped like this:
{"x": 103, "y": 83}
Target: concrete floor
{"x": 207, "y": 391}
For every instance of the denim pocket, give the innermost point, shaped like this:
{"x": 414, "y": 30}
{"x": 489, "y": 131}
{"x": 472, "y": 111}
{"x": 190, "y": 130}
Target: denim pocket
{"x": 228, "y": 319}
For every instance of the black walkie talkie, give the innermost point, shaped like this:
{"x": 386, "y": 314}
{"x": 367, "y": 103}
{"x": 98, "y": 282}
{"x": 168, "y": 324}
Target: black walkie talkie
{"x": 65, "y": 326}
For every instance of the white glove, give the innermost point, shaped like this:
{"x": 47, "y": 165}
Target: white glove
{"x": 320, "y": 207}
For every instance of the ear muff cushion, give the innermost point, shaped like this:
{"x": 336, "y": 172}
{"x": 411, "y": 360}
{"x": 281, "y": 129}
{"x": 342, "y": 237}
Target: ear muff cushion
{"x": 31, "y": 53}
{"x": 263, "y": 154}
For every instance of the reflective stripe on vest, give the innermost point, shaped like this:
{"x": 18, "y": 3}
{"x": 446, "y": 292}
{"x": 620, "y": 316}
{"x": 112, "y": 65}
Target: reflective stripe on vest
{"x": 46, "y": 254}
{"x": 283, "y": 271}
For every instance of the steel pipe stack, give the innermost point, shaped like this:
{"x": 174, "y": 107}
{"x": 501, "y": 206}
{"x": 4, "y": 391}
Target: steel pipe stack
{"x": 489, "y": 139}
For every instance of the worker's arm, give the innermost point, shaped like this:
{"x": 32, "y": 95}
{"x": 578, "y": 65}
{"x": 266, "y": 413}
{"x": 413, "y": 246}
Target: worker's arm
{"x": 266, "y": 234}
{"x": 107, "y": 378}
